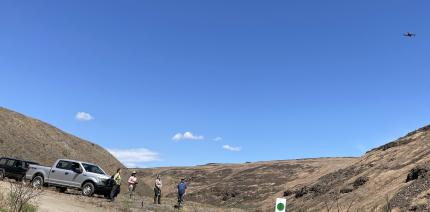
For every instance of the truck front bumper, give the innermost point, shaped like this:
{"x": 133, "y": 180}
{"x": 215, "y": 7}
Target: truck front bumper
{"x": 103, "y": 190}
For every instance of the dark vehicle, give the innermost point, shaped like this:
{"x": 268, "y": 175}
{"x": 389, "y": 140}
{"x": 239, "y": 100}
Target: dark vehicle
{"x": 14, "y": 168}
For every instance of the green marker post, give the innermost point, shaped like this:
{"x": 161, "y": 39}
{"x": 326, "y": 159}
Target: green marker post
{"x": 280, "y": 205}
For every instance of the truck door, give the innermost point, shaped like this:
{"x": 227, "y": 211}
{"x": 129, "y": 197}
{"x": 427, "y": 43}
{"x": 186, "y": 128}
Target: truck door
{"x": 61, "y": 173}
{"x": 75, "y": 178}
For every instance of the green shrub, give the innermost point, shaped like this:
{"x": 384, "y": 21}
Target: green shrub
{"x": 29, "y": 208}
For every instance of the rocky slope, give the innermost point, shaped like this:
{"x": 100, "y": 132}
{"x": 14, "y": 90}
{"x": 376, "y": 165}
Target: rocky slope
{"x": 251, "y": 186}
{"x": 394, "y": 176}
{"x": 31, "y": 139}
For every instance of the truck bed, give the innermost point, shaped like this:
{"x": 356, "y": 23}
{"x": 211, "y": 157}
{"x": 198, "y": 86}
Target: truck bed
{"x": 33, "y": 169}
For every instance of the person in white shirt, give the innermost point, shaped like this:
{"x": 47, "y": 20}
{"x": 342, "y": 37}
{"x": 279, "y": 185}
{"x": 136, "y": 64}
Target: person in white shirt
{"x": 157, "y": 190}
{"x": 132, "y": 182}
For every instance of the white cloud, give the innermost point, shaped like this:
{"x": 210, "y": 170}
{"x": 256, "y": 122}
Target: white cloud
{"x": 187, "y": 136}
{"x": 231, "y": 148}
{"x": 83, "y": 116}
{"x": 218, "y": 139}
{"x": 177, "y": 137}
{"x": 134, "y": 157}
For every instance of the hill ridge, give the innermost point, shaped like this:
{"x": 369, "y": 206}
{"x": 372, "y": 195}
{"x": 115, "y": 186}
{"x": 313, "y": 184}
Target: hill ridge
{"x": 32, "y": 139}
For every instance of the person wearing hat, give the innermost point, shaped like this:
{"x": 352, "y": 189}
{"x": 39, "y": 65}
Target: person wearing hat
{"x": 157, "y": 190}
{"x": 132, "y": 182}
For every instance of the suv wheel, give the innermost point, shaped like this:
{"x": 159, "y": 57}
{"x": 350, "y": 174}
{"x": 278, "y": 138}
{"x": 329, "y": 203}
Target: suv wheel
{"x": 1, "y": 175}
{"x": 37, "y": 182}
{"x": 88, "y": 189}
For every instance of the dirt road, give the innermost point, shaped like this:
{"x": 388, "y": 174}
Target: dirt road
{"x": 72, "y": 201}
{"x": 51, "y": 201}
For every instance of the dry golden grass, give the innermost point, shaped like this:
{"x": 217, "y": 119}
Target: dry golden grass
{"x": 30, "y": 139}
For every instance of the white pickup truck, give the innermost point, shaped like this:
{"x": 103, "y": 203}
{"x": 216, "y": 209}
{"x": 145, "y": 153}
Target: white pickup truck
{"x": 87, "y": 177}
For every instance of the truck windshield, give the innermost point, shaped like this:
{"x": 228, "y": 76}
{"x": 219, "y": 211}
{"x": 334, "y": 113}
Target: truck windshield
{"x": 92, "y": 168}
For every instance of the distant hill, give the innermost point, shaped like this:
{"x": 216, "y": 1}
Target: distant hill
{"x": 250, "y": 186}
{"x": 393, "y": 176}
{"x": 31, "y": 139}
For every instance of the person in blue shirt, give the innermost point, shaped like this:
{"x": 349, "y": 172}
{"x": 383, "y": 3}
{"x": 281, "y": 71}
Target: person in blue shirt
{"x": 182, "y": 190}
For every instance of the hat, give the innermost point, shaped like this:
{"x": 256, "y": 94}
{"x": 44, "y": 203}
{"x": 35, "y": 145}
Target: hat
{"x": 134, "y": 172}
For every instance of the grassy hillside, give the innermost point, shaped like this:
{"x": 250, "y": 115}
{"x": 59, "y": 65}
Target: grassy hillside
{"x": 251, "y": 186}
{"x": 395, "y": 175}
{"x": 31, "y": 139}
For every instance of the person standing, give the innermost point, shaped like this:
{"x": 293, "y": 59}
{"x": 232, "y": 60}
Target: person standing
{"x": 182, "y": 190}
{"x": 157, "y": 190}
{"x": 132, "y": 183}
{"x": 116, "y": 188}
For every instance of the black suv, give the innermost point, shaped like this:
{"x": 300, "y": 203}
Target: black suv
{"x": 14, "y": 168}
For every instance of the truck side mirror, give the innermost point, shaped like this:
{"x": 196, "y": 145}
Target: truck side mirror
{"x": 78, "y": 170}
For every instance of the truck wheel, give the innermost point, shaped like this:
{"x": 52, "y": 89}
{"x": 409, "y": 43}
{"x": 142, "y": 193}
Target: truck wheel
{"x": 37, "y": 182}
{"x": 88, "y": 189}
{"x": 1, "y": 175}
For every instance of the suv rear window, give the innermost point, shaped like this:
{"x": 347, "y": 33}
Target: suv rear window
{"x": 10, "y": 162}
{"x": 3, "y": 161}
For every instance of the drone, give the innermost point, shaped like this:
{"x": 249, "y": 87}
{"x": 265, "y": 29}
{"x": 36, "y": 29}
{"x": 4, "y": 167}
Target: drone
{"x": 409, "y": 34}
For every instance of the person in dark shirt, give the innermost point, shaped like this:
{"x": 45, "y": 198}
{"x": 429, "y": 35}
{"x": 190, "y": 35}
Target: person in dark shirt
{"x": 116, "y": 188}
{"x": 182, "y": 190}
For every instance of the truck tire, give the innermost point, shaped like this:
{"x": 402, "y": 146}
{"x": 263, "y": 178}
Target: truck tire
{"x": 37, "y": 182}
{"x": 1, "y": 174}
{"x": 88, "y": 189}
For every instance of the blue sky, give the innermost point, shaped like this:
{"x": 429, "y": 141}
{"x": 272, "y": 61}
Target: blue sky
{"x": 270, "y": 79}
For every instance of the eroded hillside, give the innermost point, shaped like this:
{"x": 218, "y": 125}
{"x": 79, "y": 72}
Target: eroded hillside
{"x": 252, "y": 186}
{"x": 395, "y": 175}
{"x": 31, "y": 139}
